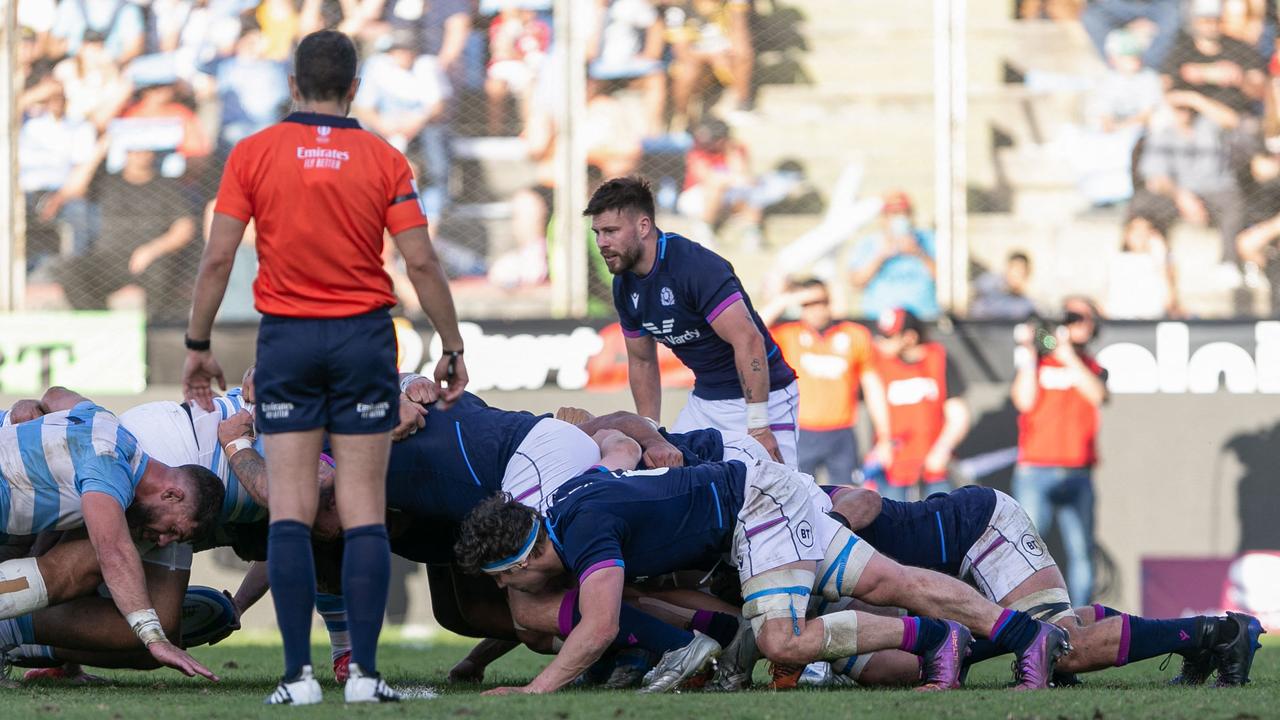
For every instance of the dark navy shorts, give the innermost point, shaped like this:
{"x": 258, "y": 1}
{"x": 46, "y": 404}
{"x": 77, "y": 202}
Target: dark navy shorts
{"x": 335, "y": 373}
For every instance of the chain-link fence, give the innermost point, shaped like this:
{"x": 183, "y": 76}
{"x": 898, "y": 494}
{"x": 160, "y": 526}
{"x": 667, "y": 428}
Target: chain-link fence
{"x": 1118, "y": 149}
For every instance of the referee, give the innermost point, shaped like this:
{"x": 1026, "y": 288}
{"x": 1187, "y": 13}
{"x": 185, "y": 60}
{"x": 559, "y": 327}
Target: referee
{"x": 320, "y": 191}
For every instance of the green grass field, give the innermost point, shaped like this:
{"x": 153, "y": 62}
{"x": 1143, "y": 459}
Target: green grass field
{"x": 248, "y": 673}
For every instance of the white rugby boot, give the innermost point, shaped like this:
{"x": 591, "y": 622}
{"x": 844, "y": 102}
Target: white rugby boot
{"x": 300, "y": 690}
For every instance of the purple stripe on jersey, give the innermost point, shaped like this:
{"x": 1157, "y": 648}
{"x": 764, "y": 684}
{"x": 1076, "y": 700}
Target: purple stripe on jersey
{"x": 1122, "y": 655}
{"x": 752, "y": 532}
{"x": 598, "y": 566}
{"x": 995, "y": 544}
{"x": 632, "y": 333}
{"x": 565, "y": 622}
{"x": 724, "y": 305}
{"x": 782, "y": 426}
{"x": 528, "y": 492}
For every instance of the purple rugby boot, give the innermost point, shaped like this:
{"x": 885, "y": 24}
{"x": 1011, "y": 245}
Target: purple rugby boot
{"x": 943, "y": 663}
{"x": 1033, "y": 668}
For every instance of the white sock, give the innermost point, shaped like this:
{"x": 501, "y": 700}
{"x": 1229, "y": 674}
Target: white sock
{"x": 333, "y": 611}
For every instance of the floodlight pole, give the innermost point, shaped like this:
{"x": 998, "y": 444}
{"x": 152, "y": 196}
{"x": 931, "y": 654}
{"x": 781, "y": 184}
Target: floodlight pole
{"x": 13, "y": 261}
{"x": 950, "y": 116}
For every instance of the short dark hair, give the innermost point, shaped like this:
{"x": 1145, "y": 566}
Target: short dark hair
{"x": 497, "y": 528}
{"x": 324, "y": 65}
{"x": 624, "y": 193}
{"x": 207, "y": 501}
{"x": 811, "y": 282}
{"x": 1019, "y": 256}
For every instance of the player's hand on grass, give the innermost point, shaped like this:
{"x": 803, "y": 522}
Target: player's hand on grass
{"x": 25, "y": 410}
{"x": 662, "y": 454}
{"x": 170, "y": 655}
{"x": 198, "y": 373}
{"x": 412, "y": 419}
{"x": 765, "y": 437}
{"x": 423, "y": 391}
{"x": 499, "y": 691}
{"x": 235, "y": 427}
{"x": 451, "y": 385}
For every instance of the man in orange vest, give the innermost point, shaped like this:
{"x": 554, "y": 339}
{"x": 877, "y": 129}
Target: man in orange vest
{"x": 928, "y": 416}
{"x": 1058, "y": 394}
{"x": 834, "y": 358}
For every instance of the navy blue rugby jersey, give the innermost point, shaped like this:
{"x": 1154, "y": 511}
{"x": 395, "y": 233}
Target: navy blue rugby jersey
{"x": 649, "y": 522}
{"x": 687, "y": 288}
{"x": 456, "y": 460}
{"x": 933, "y": 533}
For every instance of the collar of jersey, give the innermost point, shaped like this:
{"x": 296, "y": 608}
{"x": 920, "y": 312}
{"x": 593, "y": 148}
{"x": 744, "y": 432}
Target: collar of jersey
{"x": 306, "y": 118}
{"x": 662, "y": 255}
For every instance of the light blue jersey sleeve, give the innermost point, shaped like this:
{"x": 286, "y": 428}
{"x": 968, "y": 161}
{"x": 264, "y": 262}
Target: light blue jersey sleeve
{"x": 105, "y": 456}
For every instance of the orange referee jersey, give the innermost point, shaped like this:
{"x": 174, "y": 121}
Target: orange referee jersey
{"x": 916, "y": 393}
{"x": 1061, "y": 429}
{"x": 320, "y": 191}
{"x": 830, "y": 365}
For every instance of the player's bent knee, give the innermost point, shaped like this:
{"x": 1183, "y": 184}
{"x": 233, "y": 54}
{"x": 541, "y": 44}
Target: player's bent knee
{"x": 22, "y": 588}
{"x": 843, "y": 565}
{"x": 1050, "y": 605}
{"x": 777, "y": 595}
{"x": 777, "y": 642}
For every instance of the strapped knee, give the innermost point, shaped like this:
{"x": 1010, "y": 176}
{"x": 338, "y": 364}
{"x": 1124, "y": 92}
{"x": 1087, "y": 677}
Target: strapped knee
{"x": 841, "y": 568}
{"x": 22, "y": 588}
{"x": 839, "y": 635}
{"x": 776, "y": 594}
{"x": 1049, "y": 605}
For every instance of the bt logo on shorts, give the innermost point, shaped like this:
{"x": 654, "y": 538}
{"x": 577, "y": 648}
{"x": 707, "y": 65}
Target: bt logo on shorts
{"x": 804, "y": 533}
{"x": 276, "y": 411}
{"x": 1032, "y": 545}
{"x": 372, "y": 411}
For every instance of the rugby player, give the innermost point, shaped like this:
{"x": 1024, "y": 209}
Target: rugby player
{"x": 75, "y": 466}
{"x": 669, "y": 289}
{"x": 609, "y": 527}
{"x": 983, "y": 536}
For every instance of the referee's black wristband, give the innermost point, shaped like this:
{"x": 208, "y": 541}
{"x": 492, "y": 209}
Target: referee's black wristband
{"x": 452, "y": 353}
{"x": 197, "y": 345}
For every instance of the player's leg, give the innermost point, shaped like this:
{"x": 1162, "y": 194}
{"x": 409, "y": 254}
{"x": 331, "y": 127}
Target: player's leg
{"x": 1075, "y": 518}
{"x": 842, "y": 462}
{"x": 812, "y": 452}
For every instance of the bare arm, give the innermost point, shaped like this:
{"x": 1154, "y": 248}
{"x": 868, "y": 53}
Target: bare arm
{"x": 117, "y": 555}
{"x": 873, "y": 396}
{"x": 1025, "y": 385}
{"x": 642, "y": 373}
{"x": 862, "y": 276}
{"x": 736, "y": 327}
{"x": 456, "y": 30}
{"x": 252, "y": 588}
{"x": 955, "y": 425}
{"x": 201, "y": 368}
{"x": 429, "y": 281}
{"x": 657, "y": 452}
{"x": 600, "y": 602}
{"x": 859, "y": 506}
{"x": 617, "y": 451}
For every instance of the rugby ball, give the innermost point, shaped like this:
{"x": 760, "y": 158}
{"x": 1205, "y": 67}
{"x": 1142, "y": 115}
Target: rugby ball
{"x": 207, "y": 616}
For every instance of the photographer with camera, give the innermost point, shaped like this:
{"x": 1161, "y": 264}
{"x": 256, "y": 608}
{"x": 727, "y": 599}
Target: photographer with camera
{"x": 1058, "y": 389}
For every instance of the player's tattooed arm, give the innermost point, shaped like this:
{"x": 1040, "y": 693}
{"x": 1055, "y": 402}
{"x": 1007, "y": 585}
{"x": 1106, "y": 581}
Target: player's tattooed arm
{"x": 251, "y": 469}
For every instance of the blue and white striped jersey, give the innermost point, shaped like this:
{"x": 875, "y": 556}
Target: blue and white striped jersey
{"x": 48, "y": 463}
{"x": 178, "y": 435}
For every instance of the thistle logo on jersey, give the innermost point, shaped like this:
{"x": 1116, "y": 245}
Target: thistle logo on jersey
{"x": 667, "y": 298}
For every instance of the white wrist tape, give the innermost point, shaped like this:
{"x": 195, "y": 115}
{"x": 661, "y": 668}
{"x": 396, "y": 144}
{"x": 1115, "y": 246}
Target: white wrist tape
{"x": 407, "y": 380}
{"x": 22, "y": 588}
{"x": 146, "y": 625}
{"x": 757, "y": 415}
{"x": 237, "y": 445}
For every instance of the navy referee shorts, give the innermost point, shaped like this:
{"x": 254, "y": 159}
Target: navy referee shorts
{"x": 333, "y": 373}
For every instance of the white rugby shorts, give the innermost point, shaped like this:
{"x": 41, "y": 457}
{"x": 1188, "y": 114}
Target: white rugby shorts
{"x": 731, "y": 416}
{"x": 780, "y": 521}
{"x": 1009, "y": 552}
{"x": 553, "y": 453}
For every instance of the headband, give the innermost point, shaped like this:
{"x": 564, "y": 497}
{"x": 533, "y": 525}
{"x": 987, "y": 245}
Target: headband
{"x": 509, "y": 562}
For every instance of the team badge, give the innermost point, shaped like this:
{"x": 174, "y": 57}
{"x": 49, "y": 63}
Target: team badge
{"x": 668, "y": 298}
{"x": 322, "y": 133}
{"x": 635, "y": 300}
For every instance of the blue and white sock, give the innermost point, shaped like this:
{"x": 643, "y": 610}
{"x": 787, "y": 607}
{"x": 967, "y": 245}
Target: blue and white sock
{"x": 333, "y": 610}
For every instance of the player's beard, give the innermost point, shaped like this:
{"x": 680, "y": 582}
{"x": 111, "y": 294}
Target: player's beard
{"x": 139, "y": 516}
{"x": 624, "y": 260}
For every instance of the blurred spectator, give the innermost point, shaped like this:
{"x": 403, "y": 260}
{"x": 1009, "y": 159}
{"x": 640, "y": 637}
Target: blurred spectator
{"x": 1188, "y": 174}
{"x": 894, "y": 268}
{"x": 518, "y": 43}
{"x": 52, "y": 151}
{"x": 36, "y": 18}
{"x": 1141, "y": 284}
{"x": 95, "y": 87}
{"x": 928, "y": 416}
{"x": 160, "y": 98}
{"x": 191, "y": 34}
{"x": 1059, "y": 10}
{"x": 1058, "y": 395}
{"x": 147, "y": 229}
{"x": 440, "y": 28}
{"x": 284, "y": 21}
{"x": 1004, "y": 296}
{"x": 1252, "y": 22}
{"x": 709, "y": 36}
{"x": 1116, "y": 116}
{"x": 1220, "y": 68}
{"x": 401, "y": 97}
{"x": 628, "y": 45}
{"x": 1257, "y": 243}
{"x": 252, "y": 89}
{"x": 833, "y": 359}
{"x": 1103, "y": 16}
{"x": 613, "y": 135}
{"x": 120, "y": 22}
